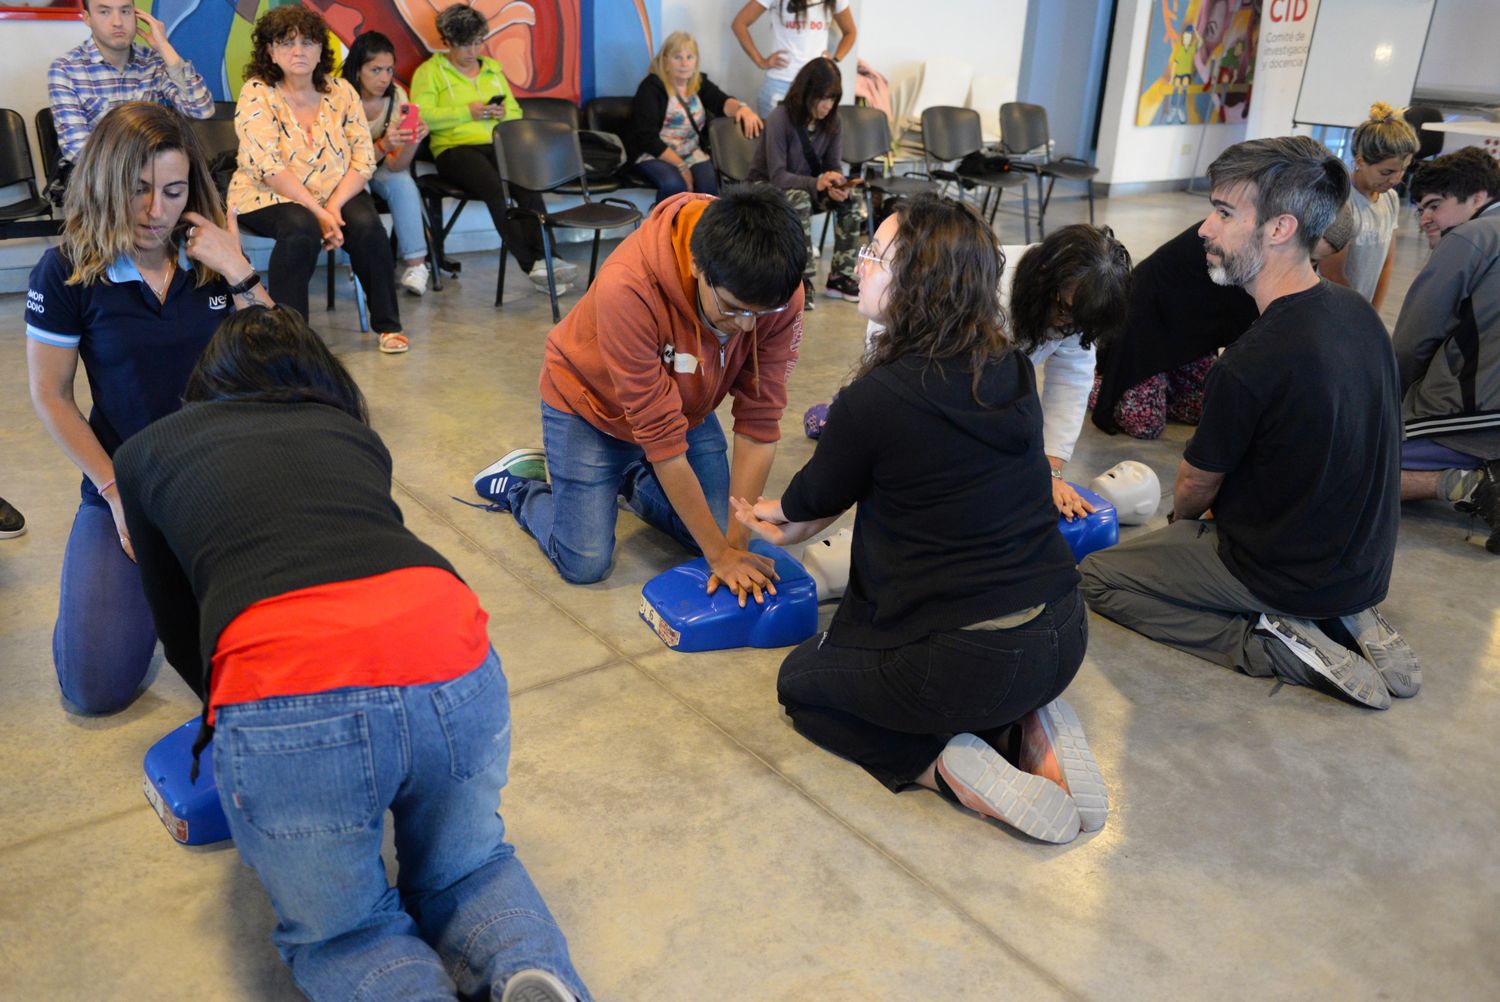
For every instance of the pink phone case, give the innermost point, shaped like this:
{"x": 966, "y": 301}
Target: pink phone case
{"x": 410, "y": 116}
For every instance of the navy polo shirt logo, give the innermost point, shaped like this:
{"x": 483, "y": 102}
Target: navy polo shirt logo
{"x": 218, "y": 302}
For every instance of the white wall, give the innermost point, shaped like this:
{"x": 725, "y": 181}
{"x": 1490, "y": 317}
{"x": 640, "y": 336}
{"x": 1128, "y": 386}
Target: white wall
{"x": 1143, "y": 158}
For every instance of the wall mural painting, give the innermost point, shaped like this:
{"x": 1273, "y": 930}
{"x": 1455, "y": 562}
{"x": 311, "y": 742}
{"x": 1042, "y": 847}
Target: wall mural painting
{"x": 1200, "y": 62}
{"x": 540, "y": 43}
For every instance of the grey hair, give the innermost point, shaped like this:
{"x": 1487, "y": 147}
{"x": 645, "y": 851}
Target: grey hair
{"x": 461, "y": 24}
{"x": 1290, "y": 175}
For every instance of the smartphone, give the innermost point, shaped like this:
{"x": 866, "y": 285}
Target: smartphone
{"x": 410, "y": 118}
{"x": 497, "y": 99}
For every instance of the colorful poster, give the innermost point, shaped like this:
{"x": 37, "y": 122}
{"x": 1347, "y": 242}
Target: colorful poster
{"x": 540, "y": 43}
{"x": 1200, "y": 62}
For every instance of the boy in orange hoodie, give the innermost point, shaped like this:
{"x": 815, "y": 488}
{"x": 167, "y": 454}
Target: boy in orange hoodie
{"x": 702, "y": 302}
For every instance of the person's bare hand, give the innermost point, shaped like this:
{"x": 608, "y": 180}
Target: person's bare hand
{"x": 776, "y": 60}
{"x": 1068, "y": 501}
{"x": 151, "y": 31}
{"x": 216, "y": 246}
{"x": 743, "y": 573}
{"x": 750, "y": 123}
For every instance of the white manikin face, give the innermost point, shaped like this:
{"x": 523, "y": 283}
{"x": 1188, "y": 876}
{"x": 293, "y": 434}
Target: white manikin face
{"x": 827, "y": 561}
{"x": 1132, "y": 488}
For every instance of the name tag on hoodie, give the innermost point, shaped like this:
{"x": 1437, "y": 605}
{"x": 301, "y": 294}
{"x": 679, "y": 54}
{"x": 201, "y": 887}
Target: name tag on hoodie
{"x": 683, "y": 362}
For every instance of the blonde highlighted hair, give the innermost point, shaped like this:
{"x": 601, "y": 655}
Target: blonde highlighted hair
{"x": 1384, "y": 136}
{"x": 676, "y": 40}
{"x": 99, "y": 225}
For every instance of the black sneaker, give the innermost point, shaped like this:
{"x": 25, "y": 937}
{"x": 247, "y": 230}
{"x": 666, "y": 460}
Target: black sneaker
{"x": 842, "y": 287}
{"x": 809, "y": 297}
{"x": 1484, "y": 501}
{"x": 1302, "y": 654}
{"x": 12, "y": 522}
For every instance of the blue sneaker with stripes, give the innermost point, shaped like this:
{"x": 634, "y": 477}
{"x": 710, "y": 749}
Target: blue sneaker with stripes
{"x": 495, "y": 482}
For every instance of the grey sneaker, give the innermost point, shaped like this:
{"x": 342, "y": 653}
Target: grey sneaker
{"x": 984, "y": 782}
{"x": 538, "y": 276}
{"x": 536, "y": 985}
{"x": 1052, "y": 744}
{"x": 1387, "y": 650}
{"x": 1302, "y": 654}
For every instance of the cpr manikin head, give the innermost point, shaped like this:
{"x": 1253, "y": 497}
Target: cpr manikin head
{"x": 1132, "y": 488}
{"x": 827, "y": 563}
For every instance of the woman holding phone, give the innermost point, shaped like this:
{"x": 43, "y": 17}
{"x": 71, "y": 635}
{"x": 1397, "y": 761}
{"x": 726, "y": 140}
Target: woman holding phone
{"x": 396, "y": 130}
{"x": 144, "y": 272}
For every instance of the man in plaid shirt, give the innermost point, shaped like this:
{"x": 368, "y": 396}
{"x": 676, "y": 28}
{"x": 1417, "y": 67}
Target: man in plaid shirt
{"x": 112, "y": 68}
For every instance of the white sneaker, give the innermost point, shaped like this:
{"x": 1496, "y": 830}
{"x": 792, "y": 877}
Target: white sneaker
{"x": 536, "y": 985}
{"x": 414, "y": 279}
{"x": 539, "y": 275}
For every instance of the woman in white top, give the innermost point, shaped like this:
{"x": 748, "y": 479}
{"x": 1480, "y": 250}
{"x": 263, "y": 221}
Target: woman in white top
{"x": 1383, "y": 149}
{"x": 371, "y": 68}
{"x": 1062, "y": 296}
{"x": 799, "y": 34}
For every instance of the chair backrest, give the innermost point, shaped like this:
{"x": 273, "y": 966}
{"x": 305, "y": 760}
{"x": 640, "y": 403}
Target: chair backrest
{"x": 733, "y": 154}
{"x": 46, "y": 143}
{"x": 608, "y": 114}
{"x": 1023, "y": 127}
{"x": 215, "y": 135}
{"x": 223, "y": 110}
{"x": 550, "y": 109}
{"x": 867, "y": 133}
{"x": 15, "y": 151}
{"x": 950, "y": 133}
{"x": 1429, "y": 143}
{"x": 537, "y": 154}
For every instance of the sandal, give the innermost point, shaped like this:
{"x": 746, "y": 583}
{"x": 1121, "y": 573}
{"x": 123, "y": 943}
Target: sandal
{"x": 393, "y": 344}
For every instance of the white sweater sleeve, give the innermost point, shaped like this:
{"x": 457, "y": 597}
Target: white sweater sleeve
{"x": 1067, "y": 380}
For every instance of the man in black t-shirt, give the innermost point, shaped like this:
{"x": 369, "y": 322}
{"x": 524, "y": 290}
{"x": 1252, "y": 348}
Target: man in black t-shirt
{"x": 1297, "y": 455}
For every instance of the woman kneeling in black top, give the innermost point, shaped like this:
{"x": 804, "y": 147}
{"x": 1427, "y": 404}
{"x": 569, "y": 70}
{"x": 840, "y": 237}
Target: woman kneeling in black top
{"x": 962, "y": 623}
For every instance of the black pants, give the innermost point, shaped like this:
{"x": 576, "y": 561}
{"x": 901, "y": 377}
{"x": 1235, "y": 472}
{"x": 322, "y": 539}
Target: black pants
{"x": 892, "y": 711}
{"x": 299, "y": 246}
{"x": 474, "y": 169}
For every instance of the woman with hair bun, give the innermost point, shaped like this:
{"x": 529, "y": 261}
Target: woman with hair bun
{"x": 1383, "y": 149}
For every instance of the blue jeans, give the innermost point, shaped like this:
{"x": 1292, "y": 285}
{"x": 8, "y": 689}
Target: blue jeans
{"x": 305, "y": 782}
{"x": 771, "y": 93}
{"x": 104, "y": 637}
{"x": 400, "y": 193}
{"x": 572, "y": 517}
{"x": 667, "y": 179}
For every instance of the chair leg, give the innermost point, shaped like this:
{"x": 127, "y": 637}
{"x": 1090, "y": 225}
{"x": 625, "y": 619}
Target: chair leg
{"x": 1026, "y": 210}
{"x": 332, "y": 266}
{"x": 823, "y": 238}
{"x": 1041, "y": 211}
{"x": 593, "y": 259}
{"x": 551, "y": 273}
{"x": 434, "y": 259}
{"x": 500, "y": 281}
{"x": 1091, "y": 201}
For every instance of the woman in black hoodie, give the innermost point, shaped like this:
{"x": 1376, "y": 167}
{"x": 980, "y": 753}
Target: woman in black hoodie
{"x": 962, "y": 623}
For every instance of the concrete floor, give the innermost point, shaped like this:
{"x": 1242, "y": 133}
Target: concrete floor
{"x": 694, "y": 847}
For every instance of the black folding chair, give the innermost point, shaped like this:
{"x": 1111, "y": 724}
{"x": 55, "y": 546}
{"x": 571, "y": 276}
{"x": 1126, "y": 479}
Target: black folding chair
{"x": 47, "y": 144}
{"x": 542, "y": 157}
{"x": 867, "y": 140}
{"x": 30, "y": 216}
{"x": 1024, "y": 133}
{"x": 951, "y": 134}
{"x": 608, "y": 120}
{"x": 733, "y": 153}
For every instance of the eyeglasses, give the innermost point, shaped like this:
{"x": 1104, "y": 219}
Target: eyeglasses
{"x": 726, "y": 311}
{"x": 868, "y": 253}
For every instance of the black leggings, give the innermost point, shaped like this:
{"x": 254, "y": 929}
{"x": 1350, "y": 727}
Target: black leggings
{"x": 473, "y": 168}
{"x": 299, "y": 246}
{"x": 892, "y": 711}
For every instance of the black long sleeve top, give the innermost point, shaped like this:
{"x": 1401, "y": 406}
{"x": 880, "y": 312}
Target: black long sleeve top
{"x": 648, "y": 110}
{"x": 955, "y": 521}
{"x": 229, "y": 503}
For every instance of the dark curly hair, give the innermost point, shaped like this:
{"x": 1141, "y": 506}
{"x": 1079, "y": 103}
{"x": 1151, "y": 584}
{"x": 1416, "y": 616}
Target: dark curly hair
{"x": 1089, "y": 261}
{"x": 944, "y": 296}
{"x": 278, "y": 24}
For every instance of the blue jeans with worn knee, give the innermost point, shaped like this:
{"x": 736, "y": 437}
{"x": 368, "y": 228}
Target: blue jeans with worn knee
{"x": 400, "y": 192}
{"x": 305, "y": 782}
{"x": 667, "y": 179}
{"x": 572, "y": 517}
{"x": 104, "y": 636}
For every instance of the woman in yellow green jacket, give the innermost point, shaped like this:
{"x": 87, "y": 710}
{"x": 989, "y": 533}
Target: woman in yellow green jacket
{"x": 462, "y": 94}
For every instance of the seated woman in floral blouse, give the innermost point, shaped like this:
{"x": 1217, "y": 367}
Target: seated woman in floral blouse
{"x": 305, "y": 159}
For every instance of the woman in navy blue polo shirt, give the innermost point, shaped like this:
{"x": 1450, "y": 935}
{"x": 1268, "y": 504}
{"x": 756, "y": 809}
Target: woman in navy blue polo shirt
{"x": 145, "y": 271}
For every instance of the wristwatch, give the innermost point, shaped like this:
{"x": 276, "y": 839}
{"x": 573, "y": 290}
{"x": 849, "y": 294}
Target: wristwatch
{"x": 245, "y": 285}
{"x": 1057, "y": 474}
